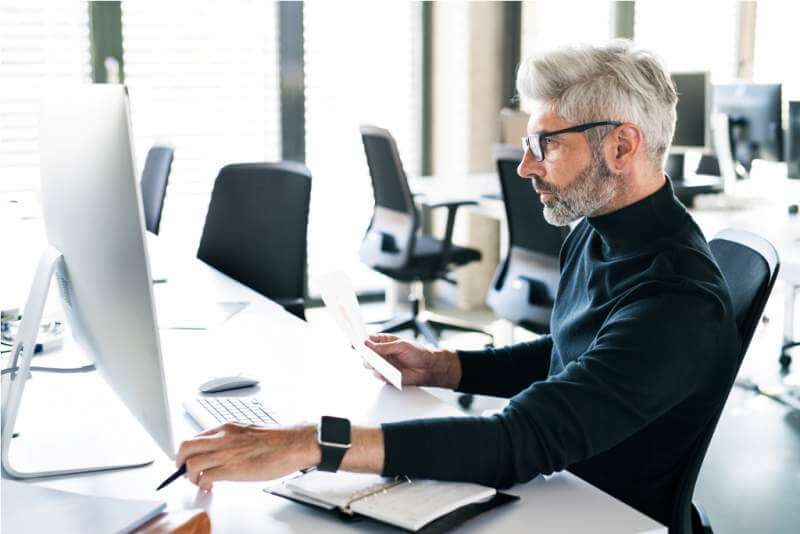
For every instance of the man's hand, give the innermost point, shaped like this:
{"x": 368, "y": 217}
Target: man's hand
{"x": 246, "y": 452}
{"x": 418, "y": 365}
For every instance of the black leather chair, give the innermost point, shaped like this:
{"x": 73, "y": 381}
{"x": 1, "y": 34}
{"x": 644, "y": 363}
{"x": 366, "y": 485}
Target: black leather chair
{"x": 750, "y": 266}
{"x": 394, "y": 246}
{"x": 155, "y": 176}
{"x": 526, "y": 281}
{"x": 255, "y": 229}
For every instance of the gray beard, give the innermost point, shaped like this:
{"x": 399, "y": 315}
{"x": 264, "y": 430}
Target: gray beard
{"x": 592, "y": 189}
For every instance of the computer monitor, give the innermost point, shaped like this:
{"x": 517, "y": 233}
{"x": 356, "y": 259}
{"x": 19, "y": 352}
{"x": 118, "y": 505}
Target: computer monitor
{"x": 93, "y": 217}
{"x": 754, "y": 113}
{"x": 692, "y": 128}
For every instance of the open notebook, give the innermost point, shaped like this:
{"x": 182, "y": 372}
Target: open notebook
{"x": 401, "y": 502}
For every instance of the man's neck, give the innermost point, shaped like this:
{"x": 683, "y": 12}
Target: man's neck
{"x": 632, "y": 191}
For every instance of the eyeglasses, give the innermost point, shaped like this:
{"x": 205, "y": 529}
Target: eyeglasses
{"x": 533, "y": 142}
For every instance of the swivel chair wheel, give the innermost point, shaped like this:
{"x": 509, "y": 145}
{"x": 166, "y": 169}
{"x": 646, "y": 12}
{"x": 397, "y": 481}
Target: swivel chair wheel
{"x": 785, "y": 361}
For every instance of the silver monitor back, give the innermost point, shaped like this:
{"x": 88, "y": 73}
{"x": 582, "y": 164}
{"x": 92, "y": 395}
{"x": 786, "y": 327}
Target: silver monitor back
{"x": 93, "y": 215}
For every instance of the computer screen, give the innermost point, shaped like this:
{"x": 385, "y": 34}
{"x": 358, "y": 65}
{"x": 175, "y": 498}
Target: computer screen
{"x": 693, "y": 111}
{"x": 754, "y": 113}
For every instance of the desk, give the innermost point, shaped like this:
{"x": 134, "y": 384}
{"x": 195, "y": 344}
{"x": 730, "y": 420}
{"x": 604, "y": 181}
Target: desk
{"x": 304, "y": 371}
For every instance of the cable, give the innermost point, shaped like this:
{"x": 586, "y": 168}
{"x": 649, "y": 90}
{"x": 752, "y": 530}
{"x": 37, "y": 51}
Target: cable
{"x": 64, "y": 370}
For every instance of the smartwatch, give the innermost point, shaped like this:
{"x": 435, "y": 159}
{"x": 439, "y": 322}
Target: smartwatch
{"x": 333, "y": 436}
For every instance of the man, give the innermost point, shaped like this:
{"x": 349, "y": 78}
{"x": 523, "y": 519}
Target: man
{"x": 643, "y": 346}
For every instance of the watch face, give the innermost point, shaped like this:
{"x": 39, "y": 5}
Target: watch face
{"x": 334, "y": 430}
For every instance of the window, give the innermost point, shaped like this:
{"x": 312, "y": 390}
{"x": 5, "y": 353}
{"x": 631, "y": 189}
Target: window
{"x": 203, "y": 77}
{"x": 553, "y": 23}
{"x": 361, "y": 69}
{"x": 39, "y": 44}
{"x": 774, "y": 22}
{"x": 700, "y": 38}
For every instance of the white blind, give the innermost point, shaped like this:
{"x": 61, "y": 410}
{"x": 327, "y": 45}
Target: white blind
{"x": 553, "y": 23}
{"x": 203, "y": 77}
{"x": 40, "y": 43}
{"x": 550, "y": 24}
{"x": 690, "y": 37}
{"x": 362, "y": 69}
{"x": 773, "y": 60}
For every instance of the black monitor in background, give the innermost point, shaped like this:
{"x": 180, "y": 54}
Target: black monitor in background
{"x": 754, "y": 113}
{"x": 793, "y": 144}
{"x": 692, "y": 129}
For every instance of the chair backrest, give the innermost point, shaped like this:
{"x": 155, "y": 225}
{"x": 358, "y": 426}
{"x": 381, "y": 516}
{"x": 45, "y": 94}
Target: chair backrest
{"x": 255, "y": 229}
{"x": 155, "y": 176}
{"x": 526, "y": 281}
{"x": 389, "y": 240}
{"x": 750, "y": 266}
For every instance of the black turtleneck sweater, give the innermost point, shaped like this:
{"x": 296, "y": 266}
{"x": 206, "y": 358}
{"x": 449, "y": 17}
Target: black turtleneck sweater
{"x": 642, "y": 352}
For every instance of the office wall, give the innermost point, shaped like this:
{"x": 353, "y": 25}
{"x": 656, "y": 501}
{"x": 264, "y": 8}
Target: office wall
{"x": 467, "y": 96}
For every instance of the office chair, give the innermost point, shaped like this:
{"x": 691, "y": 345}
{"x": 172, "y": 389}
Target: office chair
{"x": 255, "y": 229}
{"x": 394, "y": 246}
{"x": 750, "y": 265}
{"x": 525, "y": 283}
{"x": 155, "y": 176}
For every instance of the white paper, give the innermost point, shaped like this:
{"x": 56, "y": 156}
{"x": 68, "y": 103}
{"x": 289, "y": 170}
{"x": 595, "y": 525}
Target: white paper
{"x": 340, "y": 299}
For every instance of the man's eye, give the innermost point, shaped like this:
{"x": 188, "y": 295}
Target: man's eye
{"x": 548, "y": 141}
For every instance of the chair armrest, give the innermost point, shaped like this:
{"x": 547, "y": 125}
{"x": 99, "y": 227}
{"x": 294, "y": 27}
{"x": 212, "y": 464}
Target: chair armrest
{"x": 453, "y": 203}
{"x": 452, "y": 206}
{"x": 296, "y": 307}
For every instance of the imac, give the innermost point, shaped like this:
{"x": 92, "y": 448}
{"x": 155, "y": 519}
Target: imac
{"x": 96, "y": 250}
{"x": 692, "y": 128}
{"x": 754, "y": 115}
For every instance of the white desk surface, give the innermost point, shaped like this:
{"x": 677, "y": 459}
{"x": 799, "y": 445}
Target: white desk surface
{"x": 304, "y": 371}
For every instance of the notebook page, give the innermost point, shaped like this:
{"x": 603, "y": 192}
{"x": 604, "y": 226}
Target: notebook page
{"x": 415, "y": 504}
{"x": 336, "y": 488}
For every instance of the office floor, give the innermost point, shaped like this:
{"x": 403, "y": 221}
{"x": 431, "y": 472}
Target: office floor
{"x": 750, "y": 481}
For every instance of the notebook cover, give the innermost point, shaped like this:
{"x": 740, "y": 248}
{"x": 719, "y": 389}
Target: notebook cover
{"x": 443, "y": 524}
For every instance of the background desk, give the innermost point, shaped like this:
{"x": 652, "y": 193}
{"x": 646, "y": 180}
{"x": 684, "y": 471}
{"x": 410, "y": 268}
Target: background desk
{"x": 304, "y": 371}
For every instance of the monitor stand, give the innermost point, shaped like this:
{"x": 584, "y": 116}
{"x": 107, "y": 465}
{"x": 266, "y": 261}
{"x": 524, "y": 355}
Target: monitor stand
{"x": 85, "y": 452}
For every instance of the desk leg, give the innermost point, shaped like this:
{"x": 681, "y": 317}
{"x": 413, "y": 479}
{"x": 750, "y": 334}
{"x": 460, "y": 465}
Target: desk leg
{"x": 788, "y": 325}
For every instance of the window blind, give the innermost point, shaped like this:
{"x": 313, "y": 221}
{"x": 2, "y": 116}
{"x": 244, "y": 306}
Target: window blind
{"x": 203, "y": 77}
{"x": 41, "y": 45}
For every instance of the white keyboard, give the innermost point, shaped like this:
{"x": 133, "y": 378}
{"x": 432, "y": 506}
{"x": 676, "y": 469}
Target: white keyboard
{"x": 212, "y": 412}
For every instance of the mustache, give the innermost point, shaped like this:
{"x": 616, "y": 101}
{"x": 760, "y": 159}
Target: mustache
{"x": 543, "y": 186}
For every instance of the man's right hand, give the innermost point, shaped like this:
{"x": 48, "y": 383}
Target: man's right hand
{"x": 418, "y": 365}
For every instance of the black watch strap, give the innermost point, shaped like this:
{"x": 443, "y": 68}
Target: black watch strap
{"x": 333, "y": 436}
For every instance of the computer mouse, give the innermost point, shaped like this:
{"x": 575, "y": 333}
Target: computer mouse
{"x": 227, "y": 383}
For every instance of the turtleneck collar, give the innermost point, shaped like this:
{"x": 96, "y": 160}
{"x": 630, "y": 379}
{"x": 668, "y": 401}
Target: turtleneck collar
{"x": 642, "y": 222}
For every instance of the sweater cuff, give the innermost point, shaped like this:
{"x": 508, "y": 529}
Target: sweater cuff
{"x": 472, "y": 364}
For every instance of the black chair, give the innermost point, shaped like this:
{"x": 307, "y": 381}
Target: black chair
{"x": 750, "y": 265}
{"x": 525, "y": 283}
{"x": 394, "y": 246}
{"x": 255, "y": 229}
{"x": 155, "y": 176}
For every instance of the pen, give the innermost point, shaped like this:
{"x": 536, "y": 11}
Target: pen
{"x": 173, "y": 476}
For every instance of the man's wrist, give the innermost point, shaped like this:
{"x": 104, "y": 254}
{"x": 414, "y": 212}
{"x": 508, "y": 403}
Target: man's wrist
{"x": 449, "y": 368}
{"x": 309, "y": 453}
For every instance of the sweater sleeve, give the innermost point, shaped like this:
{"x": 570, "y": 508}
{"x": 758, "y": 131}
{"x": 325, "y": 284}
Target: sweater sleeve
{"x": 505, "y": 371}
{"x": 648, "y": 357}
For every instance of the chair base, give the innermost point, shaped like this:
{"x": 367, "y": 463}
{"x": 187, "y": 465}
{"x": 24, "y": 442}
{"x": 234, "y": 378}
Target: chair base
{"x": 429, "y": 326}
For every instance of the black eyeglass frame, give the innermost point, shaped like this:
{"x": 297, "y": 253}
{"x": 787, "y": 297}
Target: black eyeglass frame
{"x": 533, "y": 142}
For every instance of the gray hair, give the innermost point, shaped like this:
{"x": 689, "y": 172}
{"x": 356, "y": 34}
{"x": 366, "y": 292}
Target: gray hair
{"x": 613, "y": 81}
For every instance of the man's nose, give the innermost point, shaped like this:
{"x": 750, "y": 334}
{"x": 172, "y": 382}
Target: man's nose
{"x": 529, "y": 166}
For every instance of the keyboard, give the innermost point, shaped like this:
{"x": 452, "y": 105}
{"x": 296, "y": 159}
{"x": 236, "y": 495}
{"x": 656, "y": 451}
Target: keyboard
{"x": 211, "y": 412}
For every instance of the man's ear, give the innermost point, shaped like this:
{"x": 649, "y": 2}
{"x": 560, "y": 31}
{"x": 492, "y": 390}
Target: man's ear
{"x": 627, "y": 141}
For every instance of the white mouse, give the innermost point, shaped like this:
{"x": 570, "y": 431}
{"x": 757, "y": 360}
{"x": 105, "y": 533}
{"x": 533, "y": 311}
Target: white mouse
{"x": 226, "y": 383}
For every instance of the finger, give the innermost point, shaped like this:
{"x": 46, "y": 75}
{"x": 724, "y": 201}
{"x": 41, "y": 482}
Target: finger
{"x": 387, "y": 348}
{"x": 199, "y": 445}
{"x": 199, "y": 463}
{"x": 209, "y": 476}
{"x": 383, "y": 338}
